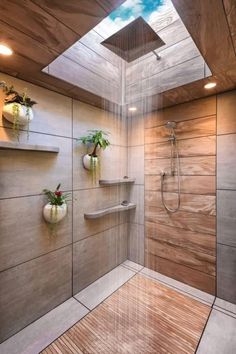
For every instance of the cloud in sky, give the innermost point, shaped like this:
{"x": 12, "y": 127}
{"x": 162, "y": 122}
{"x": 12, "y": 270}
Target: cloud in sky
{"x": 127, "y": 12}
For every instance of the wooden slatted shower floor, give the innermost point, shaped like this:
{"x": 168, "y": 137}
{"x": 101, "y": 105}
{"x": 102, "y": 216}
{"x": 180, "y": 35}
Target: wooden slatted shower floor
{"x": 143, "y": 316}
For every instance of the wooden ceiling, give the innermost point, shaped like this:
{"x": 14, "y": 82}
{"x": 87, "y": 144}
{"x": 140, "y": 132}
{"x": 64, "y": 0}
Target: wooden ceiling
{"x": 40, "y": 30}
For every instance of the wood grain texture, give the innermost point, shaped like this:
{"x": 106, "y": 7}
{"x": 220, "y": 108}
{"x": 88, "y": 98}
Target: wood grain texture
{"x": 203, "y": 204}
{"x": 196, "y": 109}
{"x": 230, "y": 9}
{"x": 195, "y": 260}
{"x": 184, "y": 130}
{"x": 188, "y": 147}
{"x": 135, "y": 319}
{"x": 192, "y": 277}
{"x": 196, "y": 166}
{"x": 189, "y": 184}
{"x": 189, "y": 240}
{"x": 184, "y": 220}
{"x": 226, "y": 106}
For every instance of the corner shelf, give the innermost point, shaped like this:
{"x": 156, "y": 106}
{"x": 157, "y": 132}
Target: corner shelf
{"x": 11, "y": 145}
{"x": 116, "y": 209}
{"x": 109, "y": 182}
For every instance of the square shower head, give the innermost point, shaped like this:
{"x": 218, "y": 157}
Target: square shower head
{"x": 134, "y": 40}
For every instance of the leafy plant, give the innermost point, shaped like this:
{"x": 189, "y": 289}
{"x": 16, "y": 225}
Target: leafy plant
{"x": 97, "y": 138}
{"x": 12, "y": 96}
{"x": 57, "y": 197}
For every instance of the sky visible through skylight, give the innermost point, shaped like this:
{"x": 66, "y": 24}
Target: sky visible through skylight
{"x": 128, "y": 12}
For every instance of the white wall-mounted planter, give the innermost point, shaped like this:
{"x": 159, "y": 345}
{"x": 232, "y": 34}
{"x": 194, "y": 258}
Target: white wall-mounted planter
{"x": 54, "y": 213}
{"x": 88, "y": 164}
{"x": 25, "y": 113}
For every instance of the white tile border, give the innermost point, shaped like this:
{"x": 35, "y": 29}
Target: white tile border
{"x": 132, "y": 266}
{"x": 226, "y": 307}
{"x": 39, "y": 334}
{"x": 103, "y": 287}
{"x": 181, "y": 287}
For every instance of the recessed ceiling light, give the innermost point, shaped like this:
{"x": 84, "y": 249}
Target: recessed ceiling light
{"x": 132, "y": 109}
{"x": 4, "y": 50}
{"x": 210, "y": 85}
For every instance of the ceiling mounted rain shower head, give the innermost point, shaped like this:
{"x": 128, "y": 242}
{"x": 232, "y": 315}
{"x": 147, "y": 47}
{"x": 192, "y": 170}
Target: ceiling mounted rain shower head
{"x": 134, "y": 40}
{"x": 170, "y": 125}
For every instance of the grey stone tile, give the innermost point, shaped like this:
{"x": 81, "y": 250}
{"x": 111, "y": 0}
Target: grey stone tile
{"x": 136, "y": 163}
{"x": 226, "y": 273}
{"x": 45, "y": 169}
{"x": 136, "y": 195}
{"x": 87, "y": 117}
{"x": 52, "y": 113}
{"x": 90, "y": 200}
{"x": 219, "y": 336}
{"x": 113, "y": 164}
{"x": 132, "y": 265}
{"x": 97, "y": 292}
{"x": 177, "y": 285}
{"x": 226, "y": 161}
{"x": 96, "y": 255}
{"x": 31, "y": 236}
{"x": 136, "y": 243}
{"x": 225, "y": 305}
{"x": 30, "y": 290}
{"x": 38, "y": 335}
{"x": 226, "y": 107}
{"x": 226, "y": 217}
{"x": 136, "y": 130}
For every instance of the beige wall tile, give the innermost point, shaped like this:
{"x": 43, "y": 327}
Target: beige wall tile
{"x": 226, "y": 107}
{"x": 136, "y": 195}
{"x": 136, "y": 243}
{"x": 86, "y": 117}
{"x": 135, "y": 131}
{"x": 90, "y": 200}
{"x": 136, "y": 163}
{"x": 52, "y": 113}
{"x": 96, "y": 255}
{"x": 113, "y": 164}
{"x": 33, "y": 288}
{"x": 24, "y": 233}
{"x": 29, "y": 172}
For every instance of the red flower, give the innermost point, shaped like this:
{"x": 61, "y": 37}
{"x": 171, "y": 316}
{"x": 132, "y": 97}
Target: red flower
{"x": 58, "y": 194}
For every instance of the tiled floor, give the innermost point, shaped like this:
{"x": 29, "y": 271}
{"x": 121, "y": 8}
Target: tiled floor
{"x": 219, "y": 336}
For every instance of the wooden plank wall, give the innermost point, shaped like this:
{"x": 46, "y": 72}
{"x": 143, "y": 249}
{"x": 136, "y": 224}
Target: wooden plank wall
{"x": 182, "y": 245}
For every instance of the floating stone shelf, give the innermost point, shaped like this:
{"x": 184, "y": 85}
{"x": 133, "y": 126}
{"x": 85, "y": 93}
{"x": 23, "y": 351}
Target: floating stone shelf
{"x": 108, "y": 182}
{"x": 10, "y": 145}
{"x": 116, "y": 209}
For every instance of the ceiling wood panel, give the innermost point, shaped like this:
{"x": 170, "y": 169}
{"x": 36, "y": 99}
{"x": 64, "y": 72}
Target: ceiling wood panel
{"x": 89, "y": 59}
{"x": 27, "y": 17}
{"x": 230, "y": 9}
{"x": 85, "y": 79}
{"x": 173, "y": 77}
{"x": 174, "y": 55}
{"x": 78, "y": 15}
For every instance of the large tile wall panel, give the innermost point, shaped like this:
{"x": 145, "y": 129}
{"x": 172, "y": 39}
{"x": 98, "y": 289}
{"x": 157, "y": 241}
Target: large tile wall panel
{"x": 226, "y": 161}
{"x": 182, "y": 244}
{"x": 136, "y": 191}
{"x": 226, "y": 273}
{"x": 96, "y": 255}
{"x": 226, "y": 217}
{"x": 52, "y": 113}
{"x": 33, "y": 288}
{"x": 29, "y": 172}
{"x": 89, "y": 200}
{"x": 24, "y": 233}
{"x": 226, "y": 194}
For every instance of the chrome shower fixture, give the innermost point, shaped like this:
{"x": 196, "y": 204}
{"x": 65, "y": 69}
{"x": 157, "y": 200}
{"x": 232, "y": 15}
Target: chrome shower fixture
{"x": 174, "y": 156}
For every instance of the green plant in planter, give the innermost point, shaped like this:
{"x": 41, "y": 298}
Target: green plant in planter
{"x": 56, "y": 208}
{"x": 18, "y": 101}
{"x": 97, "y": 139}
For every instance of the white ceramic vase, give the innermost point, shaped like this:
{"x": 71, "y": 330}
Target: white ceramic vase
{"x": 25, "y": 113}
{"x": 54, "y": 213}
{"x": 87, "y": 162}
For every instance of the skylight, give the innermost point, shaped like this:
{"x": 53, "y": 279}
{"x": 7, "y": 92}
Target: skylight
{"x": 128, "y": 12}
